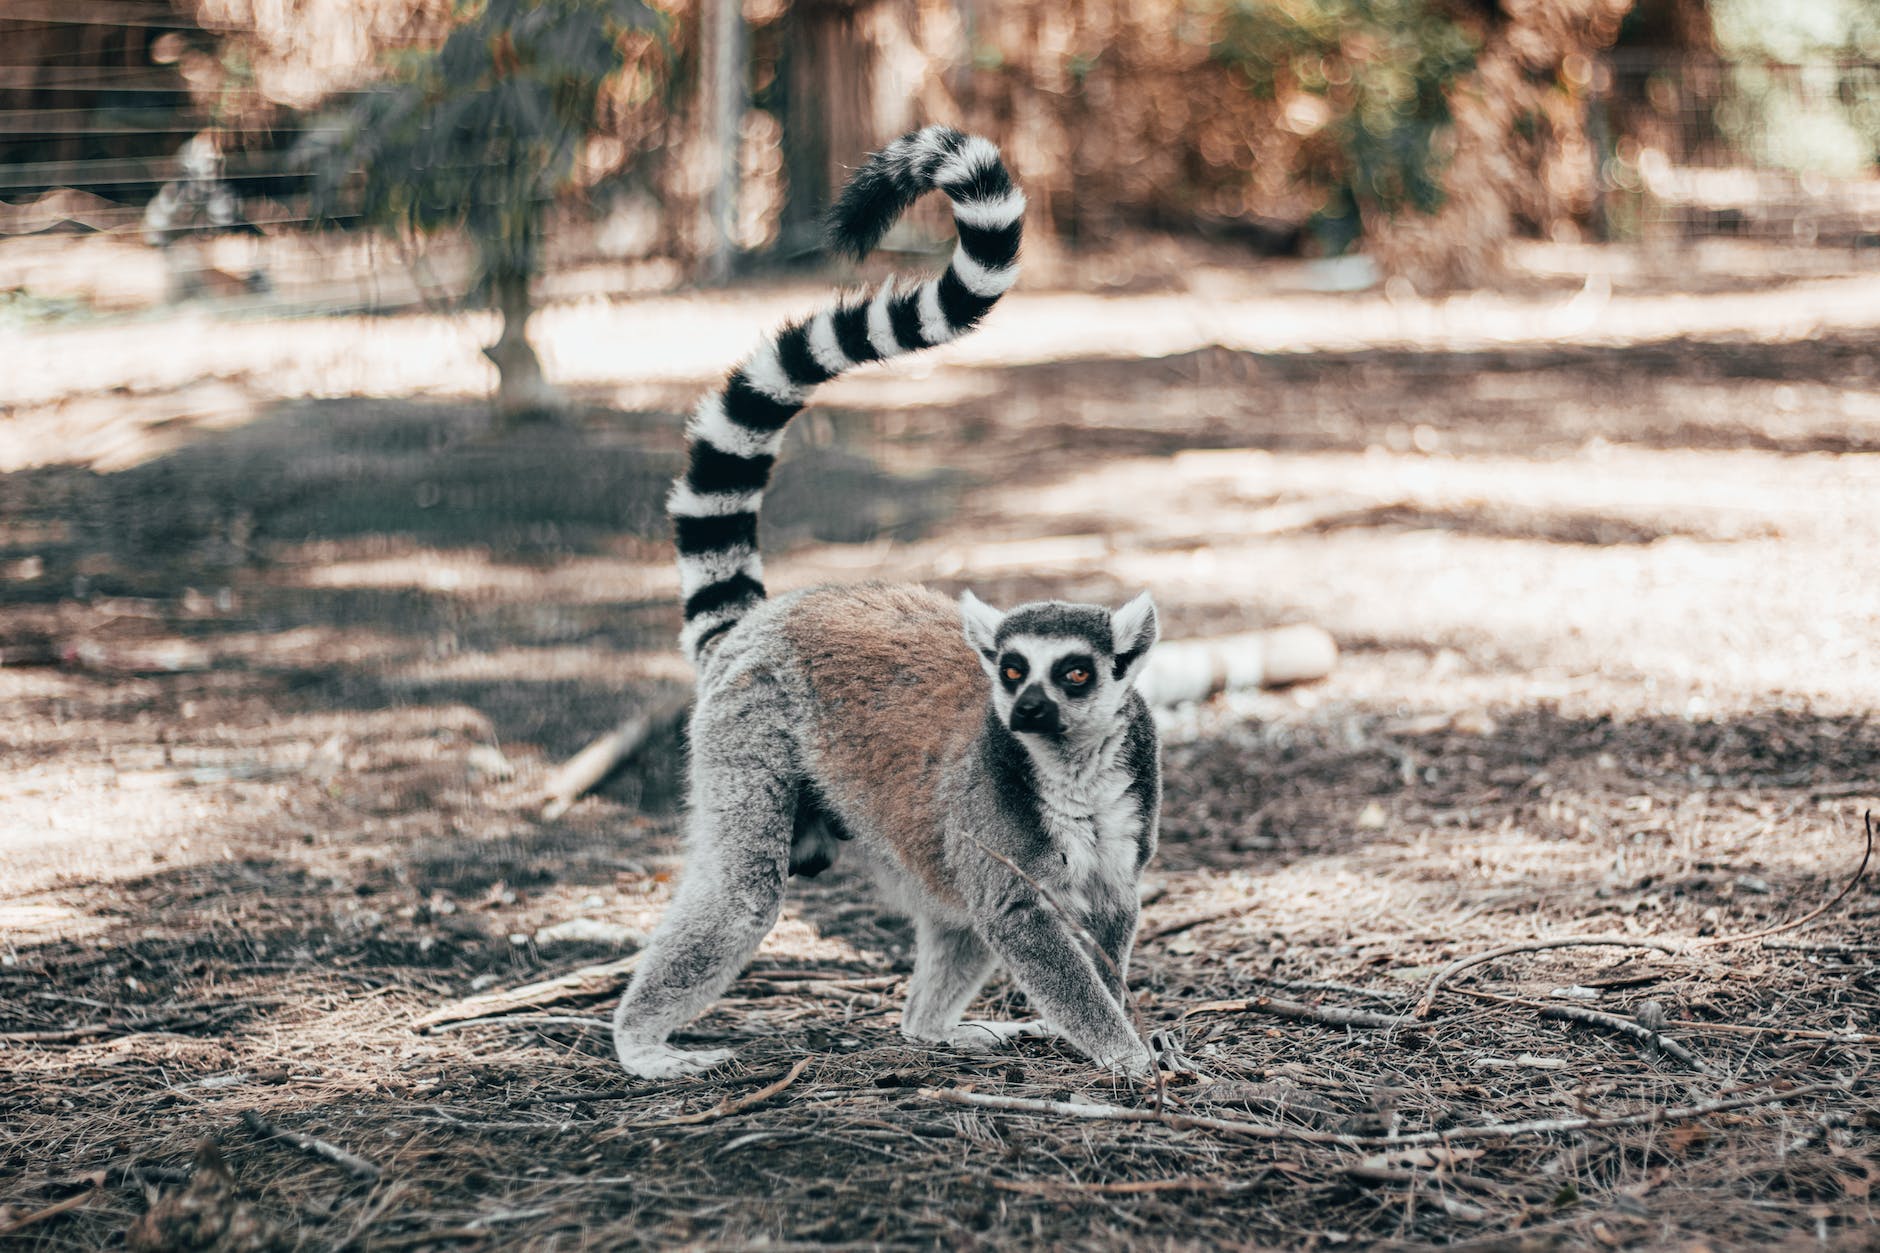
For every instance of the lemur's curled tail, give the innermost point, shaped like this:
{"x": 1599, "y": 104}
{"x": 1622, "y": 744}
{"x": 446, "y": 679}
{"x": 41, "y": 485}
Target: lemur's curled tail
{"x": 736, "y": 431}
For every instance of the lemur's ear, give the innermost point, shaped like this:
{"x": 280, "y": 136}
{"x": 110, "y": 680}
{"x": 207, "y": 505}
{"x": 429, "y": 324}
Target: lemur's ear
{"x": 1135, "y": 630}
{"x": 982, "y": 626}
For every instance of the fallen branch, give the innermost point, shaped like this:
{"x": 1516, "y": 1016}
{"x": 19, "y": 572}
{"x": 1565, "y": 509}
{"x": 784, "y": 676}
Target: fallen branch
{"x": 1330, "y": 1015}
{"x": 1371, "y": 1172}
{"x": 121, "y": 1175}
{"x": 639, "y": 1093}
{"x": 1270, "y": 1131}
{"x": 354, "y": 1165}
{"x": 724, "y": 1108}
{"x": 1194, "y": 670}
{"x": 574, "y": 777}
{"x": 51, "y": 1211}
{"x": 1860, "y": 872}
{"x": 589, "y": 981}
{"x": 1628, "y": 1027}
{"x": 1529, "y": 1060}
{"x": 1461, "y": 964}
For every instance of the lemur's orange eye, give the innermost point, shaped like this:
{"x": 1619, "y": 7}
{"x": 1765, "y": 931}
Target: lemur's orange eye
{"x": 1013, "y": 674}
{"x": 1077, "y": 677}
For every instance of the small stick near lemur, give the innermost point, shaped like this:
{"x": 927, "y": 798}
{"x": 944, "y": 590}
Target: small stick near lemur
{"x": 997, "y": 772}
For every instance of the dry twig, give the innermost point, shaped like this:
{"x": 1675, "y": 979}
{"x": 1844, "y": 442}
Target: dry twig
{"x": 119, "y": 1027}
{"x": 1627, "y": 1027}
{"x": 1131, "y": 1187}
{"x": 1461, "y": 964}
{"x": 1330, "y": 1015}
{"x": 1821, "y": 946}
{"x": 724, "y": 1108}
{"x": 1418, "y": 1183}
{"x": 1860, "y": 872}
{"x": 1693, "y": 1024}
{"x": 354, "y": 1165}
{"x": 1271, "y": 1131}
{"x": 1176, "y": 926}
{"x": 521, "y": 1020}
{"x": 1456, "y": 967}
{"x": 586, "y": 982}
{"x": 51, "y": 1211}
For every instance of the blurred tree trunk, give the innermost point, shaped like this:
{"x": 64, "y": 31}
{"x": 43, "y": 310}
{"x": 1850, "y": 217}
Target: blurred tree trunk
{"x": 1521, "y": 147}
{"x": 723, "y": 94}
{"x": 849, "y": 79}
{"x": 523, "y": 392}
{"x": 828, "y": 67}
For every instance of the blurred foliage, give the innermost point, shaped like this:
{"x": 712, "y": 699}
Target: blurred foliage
{"x": 1367, "y": 82}
{"x": 1436, "y": 129}
{"x": 1807, "y": 94}
{"x": 1118, "y": 114}
{"x": 483, "y": 132}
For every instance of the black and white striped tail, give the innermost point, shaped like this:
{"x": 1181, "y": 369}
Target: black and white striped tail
{"x": 736, "y": 431}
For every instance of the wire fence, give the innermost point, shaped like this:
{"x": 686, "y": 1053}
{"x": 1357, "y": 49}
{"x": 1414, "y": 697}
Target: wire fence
{"x": 1689, "y": 147}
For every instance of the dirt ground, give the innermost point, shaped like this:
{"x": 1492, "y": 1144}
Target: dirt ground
{"x": 291, "y": 640}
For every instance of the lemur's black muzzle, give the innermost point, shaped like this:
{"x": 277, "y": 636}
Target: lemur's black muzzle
{"x": 1034, "y": 711}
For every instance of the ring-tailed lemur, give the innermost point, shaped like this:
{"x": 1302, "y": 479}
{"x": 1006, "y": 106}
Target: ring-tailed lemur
{"x": 998, "y": 770}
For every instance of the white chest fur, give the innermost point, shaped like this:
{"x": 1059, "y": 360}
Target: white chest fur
{"x": 1091, "y": 820}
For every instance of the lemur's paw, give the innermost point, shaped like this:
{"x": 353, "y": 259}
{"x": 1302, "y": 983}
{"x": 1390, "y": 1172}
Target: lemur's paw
{"x": 978, "y": 1037}
{"x": 662, "y": 1061}
{"x": 1138, "y": 1064}
{"x": 1170, "y": 1059}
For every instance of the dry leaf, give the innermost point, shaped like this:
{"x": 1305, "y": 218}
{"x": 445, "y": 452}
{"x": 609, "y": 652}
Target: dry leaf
{"x": 1683, "y": 1138}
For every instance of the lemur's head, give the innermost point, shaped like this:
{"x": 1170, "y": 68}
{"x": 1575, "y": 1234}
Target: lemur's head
{"x": 1058, "y": 670}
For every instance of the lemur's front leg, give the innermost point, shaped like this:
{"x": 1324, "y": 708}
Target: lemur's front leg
{"x": 1058, "y": 975}
{"x": 1113, "y": 927}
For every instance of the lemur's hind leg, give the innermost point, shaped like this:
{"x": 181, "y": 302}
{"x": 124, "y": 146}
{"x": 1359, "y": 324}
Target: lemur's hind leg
{"x": 729, "y": 896}
{"x": 950, "y": 966}
{"x": 817, "y": 835}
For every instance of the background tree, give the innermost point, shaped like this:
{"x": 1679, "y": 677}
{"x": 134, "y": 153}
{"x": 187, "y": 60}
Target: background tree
{"x": 481, "y": 135}
{"x": 1521, "y": 157}
{"x": 1367, "y": 82}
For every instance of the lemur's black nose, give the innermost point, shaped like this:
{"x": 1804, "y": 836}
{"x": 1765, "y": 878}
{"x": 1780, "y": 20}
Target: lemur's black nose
{"x": 1034, "y": 711}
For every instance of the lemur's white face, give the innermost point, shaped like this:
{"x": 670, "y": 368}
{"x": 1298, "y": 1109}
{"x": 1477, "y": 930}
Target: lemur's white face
{"x": 1061, "y": 671}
